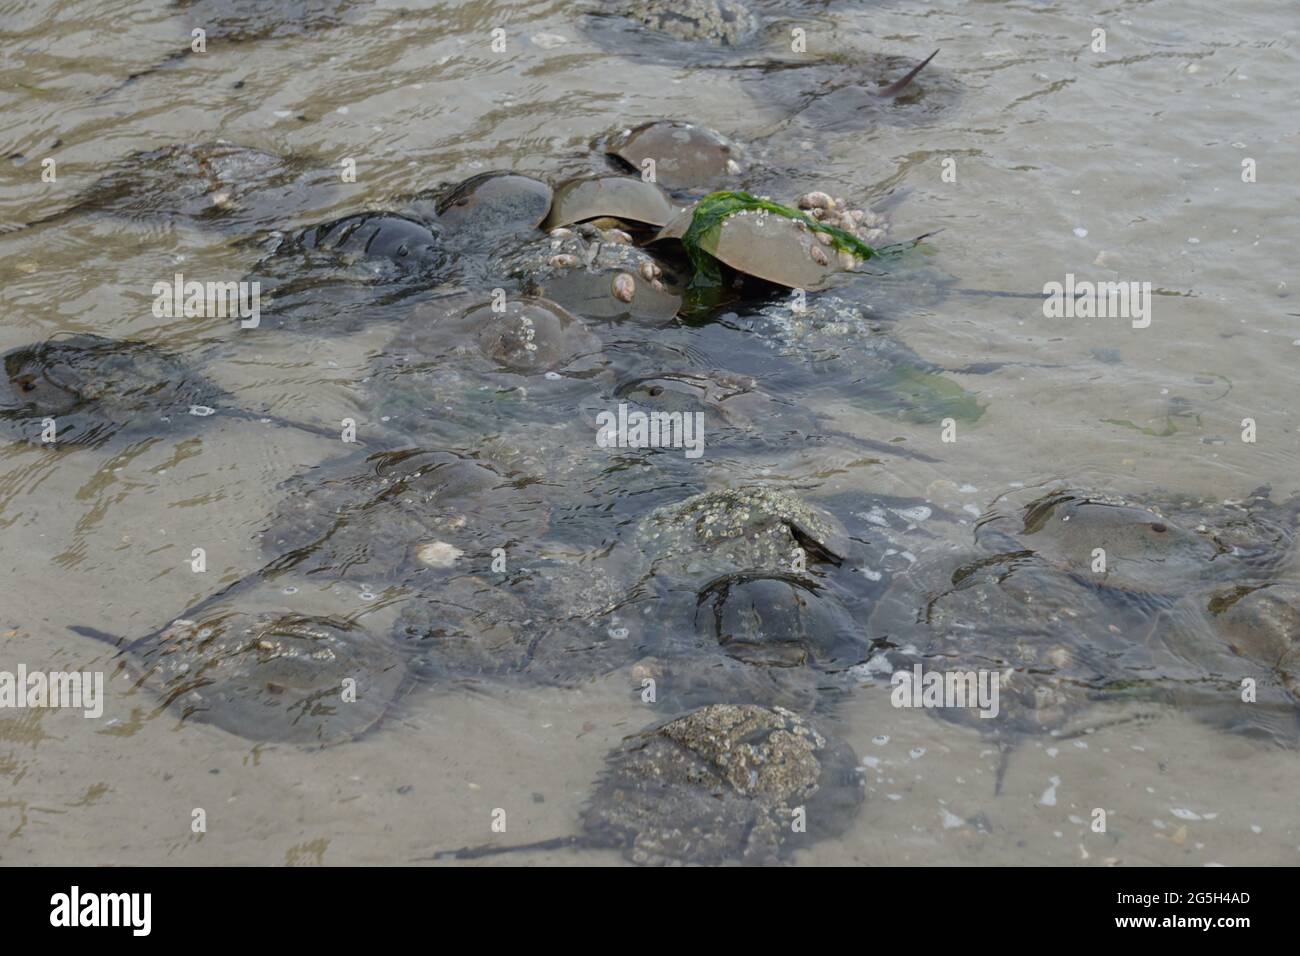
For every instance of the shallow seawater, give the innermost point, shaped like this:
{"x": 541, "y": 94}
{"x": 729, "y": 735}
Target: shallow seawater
{"x": 1122, "y": 165}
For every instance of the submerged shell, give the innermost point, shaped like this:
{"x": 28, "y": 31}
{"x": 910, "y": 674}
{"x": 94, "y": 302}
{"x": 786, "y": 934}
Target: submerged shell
{"x": 685, "y": 156}
{"x": 616, "y": 197}
{"x": 495, "y": 201}
{"x": 724, "y": 784}
{"x": 272, "y": 677}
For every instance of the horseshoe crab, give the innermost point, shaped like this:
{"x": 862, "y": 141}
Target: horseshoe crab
{"x": 527, "y": 336}
{"x": 745, "y": 529}
{"x": 1078, "y": 596}
{"x": 94, "y": 388}
{"x": 1262, "y": 625}
{"x": 722, "y": 784}
{"x": 685, "y": 156}
{"x": 345, "y": 274}
{"x": 403, "y": 243}
{"x": 284, "y": 678}
{"x": 851, "y": 90}
{"x": 682, "y": 681}
{"x": 797, "y": 248}
{"x": 766, "y": 573}
{"x": 552, "y": 620}
{"x": 850, "y": 346}
{"x": 406, "y": 514}
{"x": 596, "y": 273}
{"x": 241, "y": 21}
{"x": 1138, "y": 549}
{"x": 624, "y": 198}
{"x": 727, "y": 396}
{"x": 738, "y": 414}
{"x": 218, "y": 184}
{"x": 493, "y": 203}
{"x": 433, "y": 531}
{"x": 726, "y": 22}
{"x": 778, "y": 620}
{"x": 1245, "y": 641}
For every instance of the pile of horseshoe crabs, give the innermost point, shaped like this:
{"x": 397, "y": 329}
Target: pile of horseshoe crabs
{"x": 478, "y": 533}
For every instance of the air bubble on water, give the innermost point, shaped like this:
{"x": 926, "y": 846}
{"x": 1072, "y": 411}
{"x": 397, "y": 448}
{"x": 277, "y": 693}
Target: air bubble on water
{"x": 367, "y": 596}
{"x": 618, "y": 633}
{"x": 917, "y": 753}
{"x": 289, "y": 590}
{"x": 1080, "y": 231}
{"x": 880, "y": 740}
{"x": 553, "y": 376}
{"x": 201, "y": 410}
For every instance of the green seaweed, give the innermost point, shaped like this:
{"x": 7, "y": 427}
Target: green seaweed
{"x": 921, "y": 396}
{"x": 1169, "y": 429}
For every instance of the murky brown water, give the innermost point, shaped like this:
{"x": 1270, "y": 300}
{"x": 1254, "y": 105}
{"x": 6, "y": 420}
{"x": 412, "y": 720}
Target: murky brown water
{"x": 1123, "y": 165}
